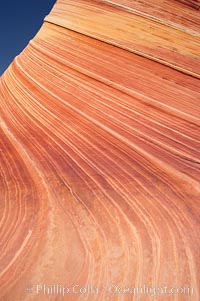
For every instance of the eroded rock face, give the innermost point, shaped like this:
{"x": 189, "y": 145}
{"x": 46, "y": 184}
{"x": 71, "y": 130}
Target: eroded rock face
{"x": 100, "y": 156}
{"x": 192, "y": 3}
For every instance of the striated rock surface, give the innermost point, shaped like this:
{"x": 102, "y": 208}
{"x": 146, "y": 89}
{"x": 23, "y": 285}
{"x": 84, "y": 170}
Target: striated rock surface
{"x": 100, "y": 155}
{"x": 192, "y": 3}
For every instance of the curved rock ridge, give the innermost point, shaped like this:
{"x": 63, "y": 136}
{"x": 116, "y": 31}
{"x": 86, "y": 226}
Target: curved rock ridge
{"x": 167, "y": 12}
{"x": 100, "y": 156}
{"x": 160, "y": 41}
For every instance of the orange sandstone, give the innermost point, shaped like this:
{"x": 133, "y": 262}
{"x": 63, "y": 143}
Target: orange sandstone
{"x": 100, "y": 156}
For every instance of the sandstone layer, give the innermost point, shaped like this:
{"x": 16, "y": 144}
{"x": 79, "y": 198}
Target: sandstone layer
{"x": 100, "y": 155}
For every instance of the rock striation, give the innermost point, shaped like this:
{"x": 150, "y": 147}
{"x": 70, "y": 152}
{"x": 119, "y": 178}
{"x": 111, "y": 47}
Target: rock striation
{"x": 192, "y": 3}
{"x": 99, "y": 144}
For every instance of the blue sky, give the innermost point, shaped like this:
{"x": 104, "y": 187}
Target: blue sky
{"x": 19, "y": 22}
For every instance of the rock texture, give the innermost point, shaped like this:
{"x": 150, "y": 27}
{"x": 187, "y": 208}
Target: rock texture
{"x": 192, "y": 3}
{"x": 100, "y": 155}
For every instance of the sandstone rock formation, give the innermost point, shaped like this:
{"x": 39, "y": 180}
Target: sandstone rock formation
{"x": 100, "y": 155}
{"x": 192, "y": 3}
